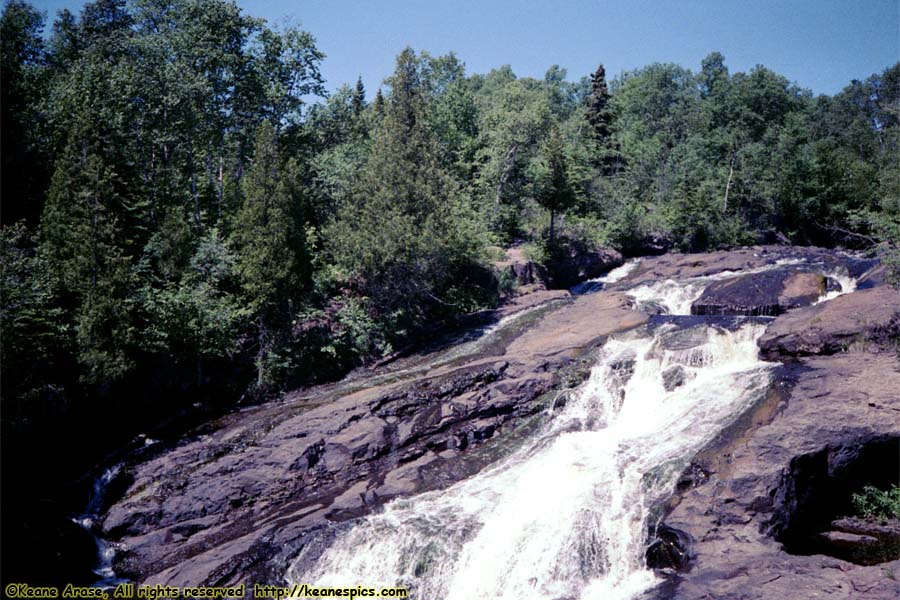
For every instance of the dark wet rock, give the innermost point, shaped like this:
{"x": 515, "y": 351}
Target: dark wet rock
{"x": 693, "y": 476}
{"x": 768, "y": 293}
{"x": 572, "y": 264}
{"x": 673, "y": 377}
{"x": 669, "y": 549}
{"x": 683, "y": 339}
{"x": 864, "y": 320}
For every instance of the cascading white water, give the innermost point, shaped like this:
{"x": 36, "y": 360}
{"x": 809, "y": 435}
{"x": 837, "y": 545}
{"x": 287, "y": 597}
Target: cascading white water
{"x": 88, "y": 520}
{"x": 845, "y": 281}
{"x": 677, "y": 297}
{"x": 566, "y": 515}
{"x": 598, "y": 283}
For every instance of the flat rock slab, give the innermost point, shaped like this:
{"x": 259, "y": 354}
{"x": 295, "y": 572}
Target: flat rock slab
{"x": 686, "y": 266}
{"x": 863, "y": 319}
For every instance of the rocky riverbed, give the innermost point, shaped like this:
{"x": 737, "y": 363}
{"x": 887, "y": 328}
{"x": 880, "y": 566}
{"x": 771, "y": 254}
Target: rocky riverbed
{"x": 757, "y": 515}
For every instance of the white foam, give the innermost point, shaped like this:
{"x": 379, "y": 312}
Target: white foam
{"x": 566, "y": 515}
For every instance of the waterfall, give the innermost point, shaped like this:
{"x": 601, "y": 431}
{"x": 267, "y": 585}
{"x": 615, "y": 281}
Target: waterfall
{"x": 598, "y": 283}
{"x": 89, "y": 521}
{"x": 565, "y": 516}
{"x": 845, "y": 281}
{"x": 676, "y": 297}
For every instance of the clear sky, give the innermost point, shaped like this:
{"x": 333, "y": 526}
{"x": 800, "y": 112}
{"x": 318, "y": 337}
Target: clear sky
{"x": 820, "y": 44}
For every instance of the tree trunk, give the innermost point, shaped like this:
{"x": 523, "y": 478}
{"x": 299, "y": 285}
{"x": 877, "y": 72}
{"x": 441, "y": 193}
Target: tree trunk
{"x": 261, "y": 353}
{"x": 552, "y": 223}
{"x": 728, "y": 184}
{"x": 508, "y": 162}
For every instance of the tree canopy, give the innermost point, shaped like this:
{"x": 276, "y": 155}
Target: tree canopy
{"x": 182, "y": 197}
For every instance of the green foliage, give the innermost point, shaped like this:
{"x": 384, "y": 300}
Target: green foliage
{"x": 272, "y": 258}
{"x": 183, "y": 206}
{"x": 198, "y": 316}
{"x": 23, "y": 82}
{"x": 554, "y": 191}
{"x": 405, "y": 239}
{"x": 874, "y": 503}
{"x": 31, "y": 323}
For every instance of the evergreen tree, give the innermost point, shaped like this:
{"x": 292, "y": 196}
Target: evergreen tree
{"x": 404, "y": 236}
{"x": 82, "y": 239}
{"x": 359, "y": 97}
{"x": 23, "y": 84}
{"x": 378, "y": 106}
{"x": 271, "y": 255}
{"x": 600, "y": 116}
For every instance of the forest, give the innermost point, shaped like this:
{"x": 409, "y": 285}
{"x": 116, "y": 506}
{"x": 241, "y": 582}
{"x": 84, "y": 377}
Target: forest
{"x": 188, "y": 216}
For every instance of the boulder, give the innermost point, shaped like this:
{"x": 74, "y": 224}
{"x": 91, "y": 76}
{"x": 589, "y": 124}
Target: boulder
{"x": 572, "y": 264}
{"x": 521, "y": 269}
{"x": 673, "y": 377}
{"x": 768, "y": 293}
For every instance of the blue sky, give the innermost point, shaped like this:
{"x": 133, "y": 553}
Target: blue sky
{"x": 820, "y": 44}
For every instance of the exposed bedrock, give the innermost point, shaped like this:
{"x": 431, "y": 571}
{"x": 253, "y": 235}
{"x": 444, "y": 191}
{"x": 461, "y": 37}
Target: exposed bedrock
{"x": 235, "y": 501}
{"x": 864, "y": 320}
{"x": 766, "y": 509}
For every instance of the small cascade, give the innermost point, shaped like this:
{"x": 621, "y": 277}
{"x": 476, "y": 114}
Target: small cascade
{"x": 675, "y": 297}
{"x": 566, "y": 515}
{"x": 89, "y": 521}
{"x": 845, "y": 282}
{"x": 598, "y": 283}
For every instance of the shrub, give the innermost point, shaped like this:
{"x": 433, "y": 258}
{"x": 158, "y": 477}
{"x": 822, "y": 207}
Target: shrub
{"x": 874, "y": 503}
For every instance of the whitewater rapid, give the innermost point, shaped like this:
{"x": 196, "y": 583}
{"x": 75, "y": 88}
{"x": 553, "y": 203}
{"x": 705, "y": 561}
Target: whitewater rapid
{"x": 566, "y": 515}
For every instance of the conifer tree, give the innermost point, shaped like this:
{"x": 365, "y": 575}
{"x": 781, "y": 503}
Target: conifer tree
{"x": 82, "y": 238}
{"x": 378, "y": 105}
{"x": 269, "y": 238}
{"x": 359, "y": 97}
{"x": 404, "y": 230}
{"x": 600, "y": 117}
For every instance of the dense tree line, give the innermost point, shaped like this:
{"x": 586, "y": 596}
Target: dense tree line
{"x": 178, "y": 209}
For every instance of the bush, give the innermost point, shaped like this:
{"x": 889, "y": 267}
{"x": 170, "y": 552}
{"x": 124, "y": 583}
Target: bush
{"x": 874, "y": 503}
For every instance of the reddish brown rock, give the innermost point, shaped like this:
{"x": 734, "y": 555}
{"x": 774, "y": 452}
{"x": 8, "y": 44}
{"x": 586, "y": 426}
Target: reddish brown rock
{"x": 864, "y": 319}
{"x": 231, "y": 503}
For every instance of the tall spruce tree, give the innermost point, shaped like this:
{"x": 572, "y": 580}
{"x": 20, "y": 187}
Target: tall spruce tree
{"x": 378, "y": 105}
{"x": 83, "y": 240}
{"x": 359, "y": 97}
{"x": 600, "y": 116}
